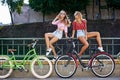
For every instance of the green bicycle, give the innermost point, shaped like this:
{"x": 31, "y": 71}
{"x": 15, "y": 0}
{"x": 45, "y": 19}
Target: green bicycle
{"x": 40, "y": 66}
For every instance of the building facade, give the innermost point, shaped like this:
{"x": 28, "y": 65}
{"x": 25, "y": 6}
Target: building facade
{"x": 94, "y": 11}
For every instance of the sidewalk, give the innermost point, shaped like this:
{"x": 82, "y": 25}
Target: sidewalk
{"x": 79, "y": 75}
{"x": 72, "y": 78}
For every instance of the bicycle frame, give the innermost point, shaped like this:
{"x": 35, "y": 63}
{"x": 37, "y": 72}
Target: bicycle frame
{"x": 75, "y": 57}
{"x": 92, "y": 55}
{"x": 74, "y": 52}
{"x": 15, "y": 65}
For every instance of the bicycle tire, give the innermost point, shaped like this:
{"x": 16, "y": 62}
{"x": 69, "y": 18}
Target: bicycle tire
{"x": 118, "y": 57}
{"x": 43, "y": 70}
{"x": 63, "y": 68}
{"x": 102, "y": 64}
{"x": 5, "y": 71}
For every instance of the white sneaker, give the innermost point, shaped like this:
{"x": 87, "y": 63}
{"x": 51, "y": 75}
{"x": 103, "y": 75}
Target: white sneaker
{"x": 48, "y": 51}
{"x": 100, "y": 49}
{"x": 54, "y": 59}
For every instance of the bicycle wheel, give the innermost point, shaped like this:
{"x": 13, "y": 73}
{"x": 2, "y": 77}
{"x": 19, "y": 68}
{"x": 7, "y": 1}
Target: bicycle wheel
{"x": 102, "y": 64}
{"x": 5, "y": 69}
{"x": 41, "y": 67}
{"x": 118, "y": 57}
{"x": 65, "y": 66}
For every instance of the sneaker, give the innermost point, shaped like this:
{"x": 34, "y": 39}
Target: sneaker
{"x": 55, "y": 58}
{"x": 100, "y": 49}
{"x": 48, "y": 51}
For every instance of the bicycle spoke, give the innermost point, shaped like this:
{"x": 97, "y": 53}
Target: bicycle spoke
{"x": 5, "y": 69}
{"x": 41, "y": 67}
{"x": 65, "y": 66}
{"x": 103, "y": 65}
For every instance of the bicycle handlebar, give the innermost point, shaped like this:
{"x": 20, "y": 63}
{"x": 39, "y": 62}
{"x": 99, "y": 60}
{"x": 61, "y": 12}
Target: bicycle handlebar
{"x": 33, "y": 43}
{"x": 71, "y": 40}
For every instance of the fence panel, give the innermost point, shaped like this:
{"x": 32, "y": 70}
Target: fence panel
{"x": 111, "y": 45}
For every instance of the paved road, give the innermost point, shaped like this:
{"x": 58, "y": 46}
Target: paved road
{"x": 73, "y": 78}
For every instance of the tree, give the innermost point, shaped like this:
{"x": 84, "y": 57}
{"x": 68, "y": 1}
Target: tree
{"x": 114, "y": 4}
{"x": 44, "y": 6}
{"x": 53, "y": 6}
{"x": 13, "y": 5}
{"x": 73, "y": 5}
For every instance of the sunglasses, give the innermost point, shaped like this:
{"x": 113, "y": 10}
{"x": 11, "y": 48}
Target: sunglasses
{"x": 63, "y": 13}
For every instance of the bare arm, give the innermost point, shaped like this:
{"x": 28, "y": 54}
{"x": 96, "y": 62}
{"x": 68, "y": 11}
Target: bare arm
{"x": 86, "y": 34}
{"x": 73, "y": 33}
{"x": 86, "y": 30}
{"x": 66, "y": 35}
{"x": 54, "y": 20}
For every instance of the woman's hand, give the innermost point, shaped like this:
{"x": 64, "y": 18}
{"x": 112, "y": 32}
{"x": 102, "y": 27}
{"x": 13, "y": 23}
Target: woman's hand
{"x": 67, "y": 37}
{"x": 72, "y": 37}
{"x": 57, "y": 16}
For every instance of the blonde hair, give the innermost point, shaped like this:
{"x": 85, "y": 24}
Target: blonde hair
{"x": 79, "y": 14}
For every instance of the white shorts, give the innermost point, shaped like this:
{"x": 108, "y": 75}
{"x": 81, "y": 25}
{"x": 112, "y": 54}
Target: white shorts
{"x": 80, "y": 33}
{"x": 58, "y": 34}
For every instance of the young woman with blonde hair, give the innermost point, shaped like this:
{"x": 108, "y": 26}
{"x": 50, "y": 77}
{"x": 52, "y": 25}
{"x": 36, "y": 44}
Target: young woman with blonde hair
{"x": 80, "y": 25}
{"x": 62, "y": 21}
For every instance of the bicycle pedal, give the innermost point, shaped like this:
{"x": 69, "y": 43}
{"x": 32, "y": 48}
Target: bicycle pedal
{"x": 21, "y": 70}
{"x": 26, "y": 70}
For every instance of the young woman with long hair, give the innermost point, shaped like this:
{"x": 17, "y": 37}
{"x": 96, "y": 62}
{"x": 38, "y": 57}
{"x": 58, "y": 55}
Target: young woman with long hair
{"x": 62, "y": 21}
{"x": 80, "y": 25}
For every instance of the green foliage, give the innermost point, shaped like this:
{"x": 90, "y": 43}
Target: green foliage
{"x": 50, "y": 6}
{"x": 1, "y": 27}
{"x": 45, "y": 6}
{"x": 14, "y": 5}
{"x": 113, "y": 4}
{"x": 72, "y": 5}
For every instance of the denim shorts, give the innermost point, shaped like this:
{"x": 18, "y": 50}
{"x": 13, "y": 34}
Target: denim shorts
{"x": 58, "y": 34}
{"x": 80, "y": 33}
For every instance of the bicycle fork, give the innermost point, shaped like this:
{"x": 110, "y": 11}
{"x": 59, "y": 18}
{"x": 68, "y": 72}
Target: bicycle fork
{"x": 39, "y": 63}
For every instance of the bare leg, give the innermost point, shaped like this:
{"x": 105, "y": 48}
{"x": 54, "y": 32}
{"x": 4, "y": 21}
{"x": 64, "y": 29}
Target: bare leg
{"x": 85, "y": 45}
{"x": 47, "y": 36}
{"x": 97, "y": 36}
{"x": 52, "y": 41}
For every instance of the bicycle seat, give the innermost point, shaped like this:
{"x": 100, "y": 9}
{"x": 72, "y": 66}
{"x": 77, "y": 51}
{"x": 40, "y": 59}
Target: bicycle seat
{"x": 12, "y": 50}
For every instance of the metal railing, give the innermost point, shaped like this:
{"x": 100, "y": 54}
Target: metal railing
{"x": 111, "y": 45}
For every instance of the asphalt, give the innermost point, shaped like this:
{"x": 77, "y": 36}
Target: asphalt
{"x": 72, "y": 78}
